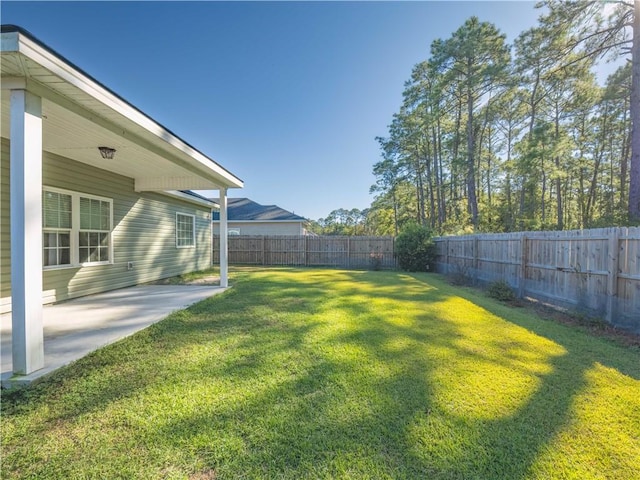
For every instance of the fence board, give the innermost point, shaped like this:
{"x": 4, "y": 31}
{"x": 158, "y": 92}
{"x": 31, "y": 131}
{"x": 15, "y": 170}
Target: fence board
{"x": 331, "y": 251}
{"x": 595, "y": 271}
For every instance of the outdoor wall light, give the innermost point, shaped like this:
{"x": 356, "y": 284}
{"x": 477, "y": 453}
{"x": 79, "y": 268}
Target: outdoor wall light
{"x": 107, "y": 152}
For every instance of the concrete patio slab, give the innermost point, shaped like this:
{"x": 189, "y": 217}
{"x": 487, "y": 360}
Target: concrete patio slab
{"x": 74, "y": 328}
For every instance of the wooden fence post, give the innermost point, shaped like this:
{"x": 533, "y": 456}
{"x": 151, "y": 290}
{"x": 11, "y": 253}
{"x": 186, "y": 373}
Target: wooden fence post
{"x": 612, "y": 278}
{"x": 446, "y": 256}
{"x": 393, "y": 252}
{"x": 523, "y": 265}
{"x": 348, "y": 252}
{"x": 476, "y": 242}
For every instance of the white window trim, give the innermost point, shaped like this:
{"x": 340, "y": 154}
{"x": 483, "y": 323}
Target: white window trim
{"x": 193, "y": 223}
{"x": 75, "y": 228}
{"x": 59, "y": 230}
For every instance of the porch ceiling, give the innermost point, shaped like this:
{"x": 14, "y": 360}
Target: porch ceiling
{"x": 79, "y": 115}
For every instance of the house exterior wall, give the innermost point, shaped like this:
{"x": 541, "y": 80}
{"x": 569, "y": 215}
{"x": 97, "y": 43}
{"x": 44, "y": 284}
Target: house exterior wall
{"x": 143, "y": 233}
{"x": 5, "y": 236}
{"x": 263, "y": 228}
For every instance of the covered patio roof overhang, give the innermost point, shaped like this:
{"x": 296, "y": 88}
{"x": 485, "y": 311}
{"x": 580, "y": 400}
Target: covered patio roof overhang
{"x": 79, "y": 115}
{"x": 49, "y": 104}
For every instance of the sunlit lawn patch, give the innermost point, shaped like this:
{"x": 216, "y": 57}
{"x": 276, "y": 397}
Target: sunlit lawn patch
{"x": 336, "y": 374}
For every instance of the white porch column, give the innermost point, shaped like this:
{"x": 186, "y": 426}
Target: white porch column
{"x": 224, "y": 250}
{"x": 26, "y": 232}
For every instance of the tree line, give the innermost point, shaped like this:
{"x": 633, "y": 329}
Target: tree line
{"x": 497, "y": 137}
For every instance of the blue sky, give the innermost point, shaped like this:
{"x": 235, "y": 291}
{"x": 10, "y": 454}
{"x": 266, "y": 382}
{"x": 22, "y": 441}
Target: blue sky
{"x": 288, "y": 96}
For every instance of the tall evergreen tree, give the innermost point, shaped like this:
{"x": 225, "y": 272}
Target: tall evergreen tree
{"x": 598, "y": 29}
{"x": 474, "y": 59}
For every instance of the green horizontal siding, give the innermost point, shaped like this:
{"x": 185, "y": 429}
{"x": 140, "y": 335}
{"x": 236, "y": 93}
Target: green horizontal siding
{"x": 144, "y": 232}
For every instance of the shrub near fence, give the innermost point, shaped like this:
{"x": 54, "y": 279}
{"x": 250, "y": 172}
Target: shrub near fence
{"x": 593, "y": 271}
{"x": 332, "y": 251}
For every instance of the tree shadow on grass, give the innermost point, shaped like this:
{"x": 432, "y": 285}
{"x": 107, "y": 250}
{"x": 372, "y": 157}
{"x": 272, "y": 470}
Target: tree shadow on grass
{"x": 128, "y": 367}
{"x": 343, "y": 417}
{"x": 582, "y": 346}
{"x": 320, "y": 379}
{"x": 508, "y": 446}
{"x": 329, "y": 415}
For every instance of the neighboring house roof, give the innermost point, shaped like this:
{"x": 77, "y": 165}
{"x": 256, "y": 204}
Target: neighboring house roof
{"x": 191, "y": 197}
{"x": 196, "y": 195}
{"x": 155, "y": 157}
{"x": 244, "y": 209}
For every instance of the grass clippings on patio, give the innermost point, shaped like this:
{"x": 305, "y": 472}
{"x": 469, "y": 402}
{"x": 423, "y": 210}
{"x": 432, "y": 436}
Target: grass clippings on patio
{"x": 332, "y": 374}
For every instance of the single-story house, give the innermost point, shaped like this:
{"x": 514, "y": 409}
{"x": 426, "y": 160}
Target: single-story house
{"x": 95, "y": 194}
{"x": 246, "y": 217}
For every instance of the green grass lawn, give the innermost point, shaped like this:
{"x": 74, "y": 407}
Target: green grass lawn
{"x": 298, "y": 374}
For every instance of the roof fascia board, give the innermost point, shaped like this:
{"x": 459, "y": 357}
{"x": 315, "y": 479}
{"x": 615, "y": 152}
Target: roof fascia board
{"x": 62, "y": 69}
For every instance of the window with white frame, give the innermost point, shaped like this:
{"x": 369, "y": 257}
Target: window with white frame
{"x": 56, "y": 224}
{"x": 76, "y": 229}
{"x": 185, "y": 230}
{"x": 95, "y": 227}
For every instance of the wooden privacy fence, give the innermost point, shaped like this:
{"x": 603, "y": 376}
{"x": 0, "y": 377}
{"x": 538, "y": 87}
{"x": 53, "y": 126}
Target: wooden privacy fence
{"x": 594, "y": 271}
{"x": 333, "y": 251}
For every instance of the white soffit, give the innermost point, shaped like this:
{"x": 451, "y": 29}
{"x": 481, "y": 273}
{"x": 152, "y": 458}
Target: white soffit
{"x": 79, "y": 115}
